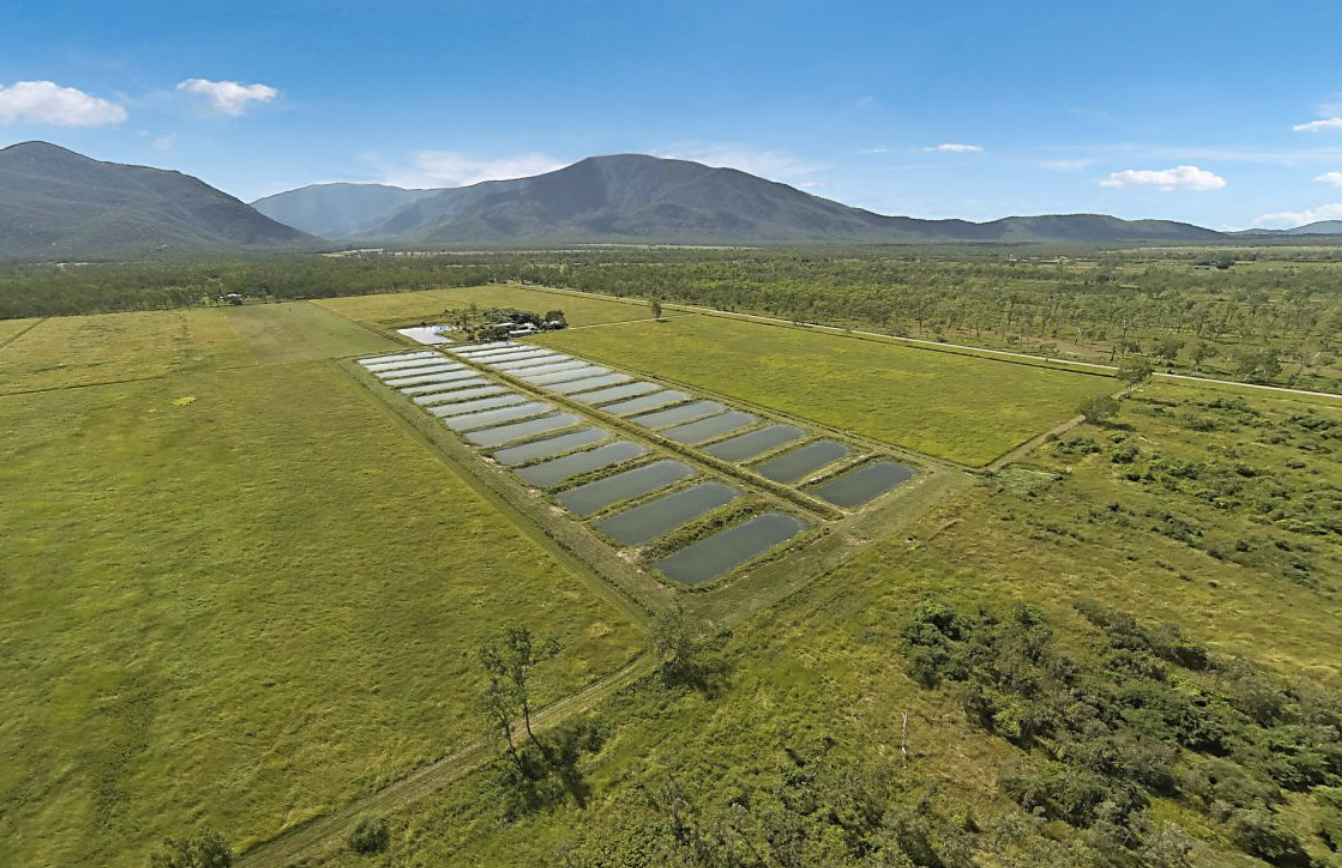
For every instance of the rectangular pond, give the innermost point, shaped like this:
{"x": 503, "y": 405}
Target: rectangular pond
{"x": 615, "y": 393}
{"x": 646, "y": 402}
{"x": 445, "y": 387}
{"x": 439, "y": 377}
{"x": 707, "y": 429}
{"x": 518, "y": 430}
{"x": 383, "y": 369}
{"x": 749, "y": 445}
{"x": 866, "y": 483}
{"x": 571, "y": 386}
{"x": 554, "y": 472}
{"x": 578, "y": 373}
{"x": 510, "y": 356}
{"x": 489, "y": 418}
{"x": 472, "y": 349}
{"x": 646, "y": 522}
{"x": 537, "y": 362}
{"x": 515, "y": 455}
{"x": 796, "y": 463}
{"x": 549, "y": 368}
{"x": 399, "y": 357}
{"x": 476, "y": 406}
{"x": 464, "y": 394}
{"x": 596, "y": 496}
{"x": 712, "y": 556}
{"x": 432, "y": 368}
{"x": 681, "y": 413}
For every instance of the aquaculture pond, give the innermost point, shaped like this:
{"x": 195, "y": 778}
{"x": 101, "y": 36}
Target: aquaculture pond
{"x": 589, "y": 383}
{"x": 514, "y": 455}
{"x": 645, "y": 402}
{"x": 383, "y": 369}
{"x": 681, "y": 413}
{"x": 709, "y": 558}
{"x": 856, "y": 487}
{"x": 449, "y": 386}
{"x": 756, "y": 442}
{"x": 510, "y": 356}
{"x": 431, "y": 379}
{"x": 518, "y": 430}
{"x": 614, "y": 393}
{"x": 796, "y": 463}
{"x": 646, "y": 522}
{"x": 398, "y": 357}
{"x": 533, "y": 363}
{"x": 707, "y": 429}
{"x": 462, "y": 394}
{"x": 554, "y": 472}
{"x": 490, "y": 418}
{"x": 596, "y": 496}
{"x": 579, "y": 373}
{"x": 549, "y": 368}
{"x": 416, "y": 370}
{"x": 477, "y": 405}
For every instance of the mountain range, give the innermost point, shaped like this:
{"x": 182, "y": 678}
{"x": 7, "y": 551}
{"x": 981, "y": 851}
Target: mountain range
{"x": 56, "y": 204}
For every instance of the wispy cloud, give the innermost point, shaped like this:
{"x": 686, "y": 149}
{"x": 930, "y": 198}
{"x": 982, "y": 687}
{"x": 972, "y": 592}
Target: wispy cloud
{"x": 229, "y": 97}
{"x": 45, "y": 102}
{"x": 874, "y": 151}
{"x": 1319, "y": 126}
{"x": 1178, "y": 178}
{"x": 954, "y": 148}
{"x": 164, "y": 143}
{"x": 1078, "y": 165}
{"x": 1291, "y": 219}
{"x": 454, "y": 169}
{"x": 1334, "y": 178}
{"x": 777, "y": 165}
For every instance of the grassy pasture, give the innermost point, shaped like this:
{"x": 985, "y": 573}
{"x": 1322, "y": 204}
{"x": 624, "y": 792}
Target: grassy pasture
{"x": 237, "y": 598}
{"x": 301, "y": 331}
{"x": 428, "y": 304}
{"x": 950, "y": 406}
{"x": 12, "y": 328}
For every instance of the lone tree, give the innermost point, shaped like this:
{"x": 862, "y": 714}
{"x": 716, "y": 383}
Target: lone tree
{"x": 655, "y": 307}
{"x": 1134, "y": 372}
{"x": 1099, "y": 409}
{"x": 674, "y": 640}
{"x": 509, "y": 660}
{"x": 206, "y": 850}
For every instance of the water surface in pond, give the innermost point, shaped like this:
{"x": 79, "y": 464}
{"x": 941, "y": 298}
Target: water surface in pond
{"x": 707, "y": 429}
{"x": 864, "y": 484}
{"x": 554, "y": 368}
{"x": 572, "y": 374}
{"x": 435, "y": 368}
{"x": 646, "y": 522}
{"x": 512, "y": 356}
{"x": 446, "y": 389}
{"x": 554, "y": 472}
{"x": 518, "y": 430}
{"x": 382, "y": 369}
{"x": 477, "y": 405}
{"x": 440, "y": 377}
{"x": 535, "y": 363}
{"x": 796, "y": 463}
{"x": 398, "y": 357}
{"x": 490, "y": 418}
{"x": 465, "y": 394}
{"x": 514, "y": 455}
{"x": 588, "y": 383}
{"x": 745, "y": 446}
{"x": 615, "y": 393}
{"x": 595, "y": 496}
{"x": 489, "y": 352}
{"x": 473, "y": 349}
{"x": 682, "y": 413}
{"x": 712, "y": 556}
{"x": 645, "y": 402}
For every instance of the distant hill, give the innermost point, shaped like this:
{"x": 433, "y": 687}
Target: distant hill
{"x": 641, "y": 199}
{"x": 337, "y": 210}
{"x": 1322, "y": 227}
{"x": 56, "y": 204}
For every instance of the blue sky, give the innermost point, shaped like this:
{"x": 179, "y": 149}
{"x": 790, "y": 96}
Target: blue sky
{"x": 1228, "y": 114}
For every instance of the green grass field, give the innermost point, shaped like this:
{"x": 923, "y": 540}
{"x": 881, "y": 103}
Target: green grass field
{"x": 428, "y": 304}
{"x": 949, "y": 406}
{"x": 237, "y": 597}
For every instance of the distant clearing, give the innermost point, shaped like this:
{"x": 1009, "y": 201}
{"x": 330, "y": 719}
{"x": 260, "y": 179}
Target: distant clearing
{"x": 426, "y": 305}
{"x": 301, "y": 331}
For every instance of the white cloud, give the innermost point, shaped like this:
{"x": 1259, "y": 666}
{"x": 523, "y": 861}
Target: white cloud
{"x": 767, "y": 164}
{"x": 953, "y": 148}
{"x": 1068, "y": 165}
{"x": 1334, "y": 178}
{"x": 1291, "y": 219}
{"x": 163, "y": 143}
{"x": 452, "y": 169}
{"x": 45, "y": 102}
{"x": 1319, "y": 126}
{"x": 228, "y": 97}
{"x": 874, "y": 151}
{"x": 1178, "y": 178}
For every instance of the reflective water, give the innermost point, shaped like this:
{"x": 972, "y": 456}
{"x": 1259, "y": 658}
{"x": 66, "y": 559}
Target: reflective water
{"x": 554, "y": 368}
{"x": 538, "y": 361}
{"x": 476, "y": 406}
{"x": 796, "y": 463}
{"x": 596, "y": 496}
{"x": 468, "y": 421}
{"x": 517, "y": 430}
{"x": 554, "y": 472}
{"x": 866, "y": 483}
{"x": 712, "y": 556}
{"x": 449, "y": 386}
{"x": 398, "y": 357}
{"x": 707, "y": 429}
{"x": 572, "y": 374}
{"x": 432, "y": 368}
{"x": 472, "y": 349}
{"x": 646, "y": 402}
{"x": 510, "y": 356}
{"x": 439, "y": 377}
{"x": 458, "y": 395}
{"x": 752, "y": 444}
{"x": 646, "y": 522}
{"x": 684, "y": 412}
{"x": 615, "y": 393}
{"x": 514, "y": 455}
{"x": 390, "y": 369}
{"x": 589, "y": 383}
{"x": 428, "y": 334}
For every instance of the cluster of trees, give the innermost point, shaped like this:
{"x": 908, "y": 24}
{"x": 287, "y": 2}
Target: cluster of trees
{"x": 1150, "y": 714}
{"x": 493, "y": 323}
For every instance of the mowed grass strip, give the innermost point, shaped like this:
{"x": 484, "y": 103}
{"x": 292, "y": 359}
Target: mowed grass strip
{"x": 955, "y": 407}
{"x": 429, "y": 304}
{"x": 235, "y": 600}
{"x": 107, "y": 348}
